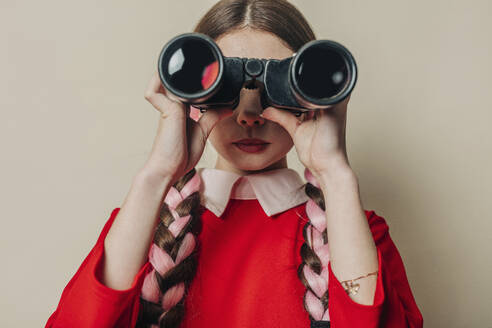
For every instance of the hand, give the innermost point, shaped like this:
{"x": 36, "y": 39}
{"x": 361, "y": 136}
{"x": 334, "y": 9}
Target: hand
{"x": 319, "y": 137}
{"x": 180, "y": 140}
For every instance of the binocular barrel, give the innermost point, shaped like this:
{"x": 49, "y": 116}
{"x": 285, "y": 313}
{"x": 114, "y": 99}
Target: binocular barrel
{"x": 320, "y": 74}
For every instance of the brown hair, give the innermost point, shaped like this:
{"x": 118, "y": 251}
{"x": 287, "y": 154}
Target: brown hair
{"x": 284, "y": 20}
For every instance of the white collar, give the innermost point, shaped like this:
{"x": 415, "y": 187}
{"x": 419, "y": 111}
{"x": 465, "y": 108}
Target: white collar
{"x": 276, "y": 190}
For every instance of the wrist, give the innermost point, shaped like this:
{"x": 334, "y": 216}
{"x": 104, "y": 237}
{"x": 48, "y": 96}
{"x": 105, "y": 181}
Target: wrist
{"x": 154, "y": 171}
{"x": 151, "y": 179}
{"x": 336, "y": 177}
{"x": 337, "y": 166}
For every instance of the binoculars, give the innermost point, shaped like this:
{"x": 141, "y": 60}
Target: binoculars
{"x": 320, "y": 74}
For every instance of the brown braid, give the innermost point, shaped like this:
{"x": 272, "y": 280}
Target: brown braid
{"x": 308, "y": 256}
{"x": 182, "y": 272}
{"x": 285, "y": 21}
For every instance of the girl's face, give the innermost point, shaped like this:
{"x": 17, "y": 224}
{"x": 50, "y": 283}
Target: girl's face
{"x": 245, "y": 122}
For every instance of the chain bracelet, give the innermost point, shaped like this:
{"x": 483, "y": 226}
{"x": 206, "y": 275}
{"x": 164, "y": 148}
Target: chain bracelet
{"x": 351, "y": 287}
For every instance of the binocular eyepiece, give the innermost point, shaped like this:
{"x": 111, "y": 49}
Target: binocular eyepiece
{"x": 320, "y": 74}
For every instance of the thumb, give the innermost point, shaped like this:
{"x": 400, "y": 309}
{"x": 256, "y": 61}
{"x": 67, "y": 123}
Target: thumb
{"x": 211, "y": 117}
{"x": 283, "y": 117}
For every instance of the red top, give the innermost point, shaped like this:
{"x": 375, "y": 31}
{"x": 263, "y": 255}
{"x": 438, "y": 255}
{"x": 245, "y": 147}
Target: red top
{"x": 245, "y": 280}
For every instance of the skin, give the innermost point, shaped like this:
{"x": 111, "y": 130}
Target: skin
{"x": 282, "y": 128}
{"x": 319, "y": 141}
{"x": 245, "y": 121}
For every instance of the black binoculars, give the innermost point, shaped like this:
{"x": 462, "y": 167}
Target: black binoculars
{"x": 320, "y": 74}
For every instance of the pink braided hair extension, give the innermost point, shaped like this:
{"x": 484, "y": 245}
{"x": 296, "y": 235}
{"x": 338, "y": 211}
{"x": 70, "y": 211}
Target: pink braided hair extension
{"x": 318, "y": 283}
{"x": 161, "y": 261}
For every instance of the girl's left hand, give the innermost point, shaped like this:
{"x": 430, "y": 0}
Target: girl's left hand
{"x": 318, "y": 135}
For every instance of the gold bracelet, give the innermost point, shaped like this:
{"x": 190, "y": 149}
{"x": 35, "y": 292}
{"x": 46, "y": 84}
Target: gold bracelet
{"x": 350, "y": 287}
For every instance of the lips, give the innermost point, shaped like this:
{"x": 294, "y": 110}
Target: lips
{"x": 251, "y": 145}
{"x": 251, "y": 141}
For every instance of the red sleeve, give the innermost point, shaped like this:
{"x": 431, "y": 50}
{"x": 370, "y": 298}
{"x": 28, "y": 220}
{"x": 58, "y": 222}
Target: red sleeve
{"x": 86, "y": 302}
{"x": 394, "y": 305}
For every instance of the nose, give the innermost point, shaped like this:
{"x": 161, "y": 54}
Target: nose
{"x": 249, "y": 108}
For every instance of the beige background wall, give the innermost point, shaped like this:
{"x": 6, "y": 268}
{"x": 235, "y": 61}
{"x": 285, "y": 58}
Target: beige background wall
{"x": 75, "y": 128}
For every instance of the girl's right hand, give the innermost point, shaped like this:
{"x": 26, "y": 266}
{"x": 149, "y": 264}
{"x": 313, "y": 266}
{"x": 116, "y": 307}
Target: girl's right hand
{"x": 180, "y": 141}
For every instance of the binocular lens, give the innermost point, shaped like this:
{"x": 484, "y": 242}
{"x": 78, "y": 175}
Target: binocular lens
{"x": 192, "y": 67}
{"x": 321, "y": 71}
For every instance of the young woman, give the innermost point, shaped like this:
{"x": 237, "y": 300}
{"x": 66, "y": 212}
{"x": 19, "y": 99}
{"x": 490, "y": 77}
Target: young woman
{"x": 246, "y": 243}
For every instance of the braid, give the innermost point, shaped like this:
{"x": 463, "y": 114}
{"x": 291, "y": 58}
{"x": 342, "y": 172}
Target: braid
{"x": 173, "y": 255}
{"x": 313, "y": 271}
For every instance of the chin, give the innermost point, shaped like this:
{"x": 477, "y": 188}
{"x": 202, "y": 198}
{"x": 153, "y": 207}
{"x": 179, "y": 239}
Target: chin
{"x": 251, "y": 166}
{"x": 254, "y": 163}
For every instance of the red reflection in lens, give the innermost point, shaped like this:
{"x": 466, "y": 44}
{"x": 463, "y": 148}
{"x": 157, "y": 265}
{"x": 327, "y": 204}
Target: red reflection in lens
{"x": 210, "y": 73}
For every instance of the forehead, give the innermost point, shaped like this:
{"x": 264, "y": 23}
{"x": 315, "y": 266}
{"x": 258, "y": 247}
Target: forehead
{"x": 253, "y": 44}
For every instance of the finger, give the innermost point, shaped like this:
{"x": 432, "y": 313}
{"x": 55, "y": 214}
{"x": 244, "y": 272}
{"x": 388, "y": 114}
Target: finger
{"x": 211, "y": 117}
{"x": 154, "y": 86}
{"x": 157, "y": 95}
{"x": 310, "y": 115}
{"x": 342, "y": 106}
{"x": 283, "y": 117}
{"x": 197, "y": 140}
{"x": 195, "y": 113}
{"x": 200, "y": 130}
{"x": 339, "y": 110}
